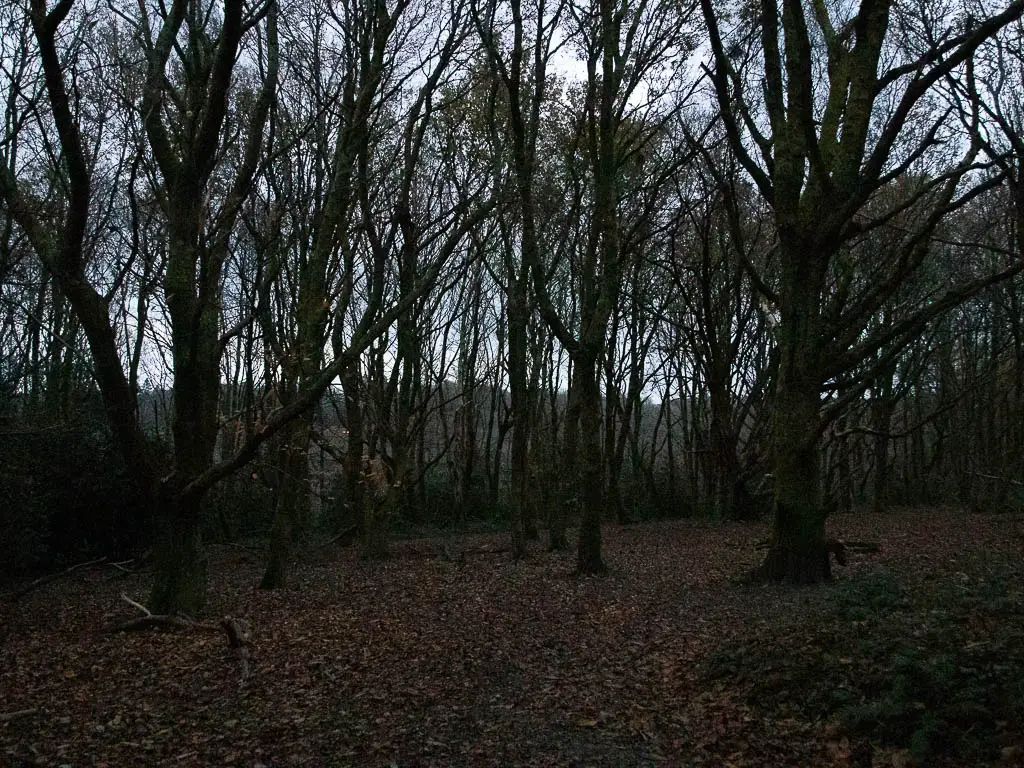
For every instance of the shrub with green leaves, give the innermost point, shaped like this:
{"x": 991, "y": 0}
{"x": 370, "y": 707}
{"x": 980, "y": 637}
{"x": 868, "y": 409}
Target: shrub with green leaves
{"x": 935, "y": 666}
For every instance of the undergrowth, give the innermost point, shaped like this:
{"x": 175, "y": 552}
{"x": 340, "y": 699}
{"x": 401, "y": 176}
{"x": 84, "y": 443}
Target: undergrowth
{"x": 934, "y": 665}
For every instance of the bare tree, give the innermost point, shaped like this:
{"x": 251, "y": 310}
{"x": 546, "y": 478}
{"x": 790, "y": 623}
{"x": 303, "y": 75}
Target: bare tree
{"x": 847, "y": 111}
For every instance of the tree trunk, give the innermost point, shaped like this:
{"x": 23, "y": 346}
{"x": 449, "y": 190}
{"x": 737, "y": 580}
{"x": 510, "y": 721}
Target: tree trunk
{"x": 567, "y": 485}
{"x": 615, "y": 432}
{"x": 467, "y": 416}
{"x": 730, "y": 497}
{"x": 354, "y": 493}
{"x": 383, "y": 492}
{"x": 521, "y": 408}
{"x": 614, "y": 418}
{"x": 592, "y": 492}
{"x": 797, "y": 551}
{"x": 292, "y": 499}
{"x": 881, "y": 422}
{"x": 179, "y": 578}
{"x": 533, "y": 493}
{"x": 377, "y": 512}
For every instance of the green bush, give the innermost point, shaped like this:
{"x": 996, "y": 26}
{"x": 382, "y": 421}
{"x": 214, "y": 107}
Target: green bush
{"x": 935, "y": 666}
{"x": 874, "y": 595}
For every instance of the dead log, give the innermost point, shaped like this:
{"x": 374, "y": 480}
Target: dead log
{"x": 156, "y": 620}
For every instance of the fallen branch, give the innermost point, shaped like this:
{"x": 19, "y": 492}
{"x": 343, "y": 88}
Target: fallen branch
{"x": 851, "y": 546}
{"x": 238, "y": 630}
{"x": 998, "y": 479}
{"x": 338, "y": 537}
{"x": 42, "y": 581}
{"x": 6, "y": 717}
{"x": 243, "y": 547}
{"x": 487, "y": 551}
{"x": 862, "y": 547}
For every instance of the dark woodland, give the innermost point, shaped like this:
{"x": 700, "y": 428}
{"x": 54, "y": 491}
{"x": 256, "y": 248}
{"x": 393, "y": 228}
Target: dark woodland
{"x": 489, "y": 382}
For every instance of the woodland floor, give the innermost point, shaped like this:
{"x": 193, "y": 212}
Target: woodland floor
{"x": 913, "y": 654}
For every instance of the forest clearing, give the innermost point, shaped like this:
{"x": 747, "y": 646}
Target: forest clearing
{"x": 452, "y": 654}
{"x": 679, "y": 286}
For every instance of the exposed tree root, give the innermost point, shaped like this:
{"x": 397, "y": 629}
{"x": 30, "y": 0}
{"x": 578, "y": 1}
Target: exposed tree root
{"x": 164, "y": 621}
{"x": 781, "y": 565}
{"x": 239, "y": 632}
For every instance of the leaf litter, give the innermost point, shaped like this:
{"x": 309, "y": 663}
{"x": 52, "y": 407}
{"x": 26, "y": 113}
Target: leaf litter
{"x": 424, "y": 661}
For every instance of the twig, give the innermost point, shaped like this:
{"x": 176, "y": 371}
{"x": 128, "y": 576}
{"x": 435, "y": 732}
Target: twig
{"x": 998, "y": 479}
{"x": 157, "y": 620}
{"x": 338, "y": 537}
{"x": 451, "y": 554}
{"x": 243, "y": 547}
{"x": 921, "y": 423}
{"x": 134, "y": 604}
{"x": 487, "y": 551}
{"x": 6, "y": 717}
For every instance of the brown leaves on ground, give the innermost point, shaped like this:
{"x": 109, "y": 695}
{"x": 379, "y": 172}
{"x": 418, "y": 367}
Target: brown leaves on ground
{"x": 423, "y": 661}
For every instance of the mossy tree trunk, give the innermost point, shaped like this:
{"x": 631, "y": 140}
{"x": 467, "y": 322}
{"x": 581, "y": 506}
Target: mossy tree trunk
{"x": 195, "y": 348}
{"x": 291, "y": 499}
{"x": 797, "y": 550}
{"x": 179, "y": 577}
{"x": 825, "y": 161}
{"x": 186, "y": 153}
